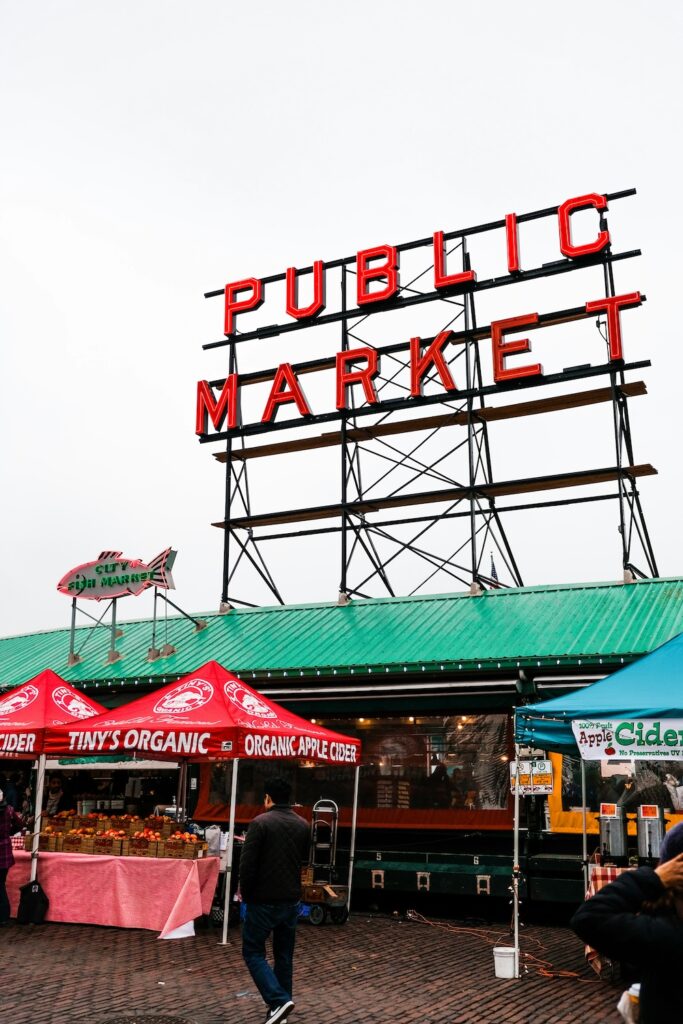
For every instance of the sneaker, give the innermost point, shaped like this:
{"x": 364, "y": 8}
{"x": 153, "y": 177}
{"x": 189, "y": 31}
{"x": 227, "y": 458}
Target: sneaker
{"x": 279, "y": 1014}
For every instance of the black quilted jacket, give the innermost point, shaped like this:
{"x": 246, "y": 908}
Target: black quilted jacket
{"x": 612, "y": 922}
{"x": 273, "y": 853}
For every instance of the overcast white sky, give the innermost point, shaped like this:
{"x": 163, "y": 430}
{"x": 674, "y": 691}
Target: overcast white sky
{"x": 152, "y": 151}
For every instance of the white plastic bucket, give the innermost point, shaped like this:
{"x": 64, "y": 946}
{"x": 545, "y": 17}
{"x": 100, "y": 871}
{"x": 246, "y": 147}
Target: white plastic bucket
{"x": 504, "y": 961}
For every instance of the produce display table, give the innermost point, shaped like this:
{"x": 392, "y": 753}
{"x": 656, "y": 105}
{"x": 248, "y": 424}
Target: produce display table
{"x": 163, "y": 895}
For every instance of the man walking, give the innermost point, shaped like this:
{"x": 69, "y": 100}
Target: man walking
{"x": 270, "y": 883}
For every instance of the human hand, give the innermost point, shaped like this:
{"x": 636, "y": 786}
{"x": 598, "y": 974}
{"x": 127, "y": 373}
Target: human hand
{"x": 671, "y": 873}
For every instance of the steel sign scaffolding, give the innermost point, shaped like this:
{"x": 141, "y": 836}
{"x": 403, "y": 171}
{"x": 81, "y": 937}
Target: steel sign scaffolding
{"x": 416, "y": 484}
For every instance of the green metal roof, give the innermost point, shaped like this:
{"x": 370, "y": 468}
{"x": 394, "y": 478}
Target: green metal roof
{"x": 565, "y": 625}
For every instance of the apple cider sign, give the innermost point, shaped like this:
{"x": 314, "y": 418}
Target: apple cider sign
{"x": 378, "y": 287}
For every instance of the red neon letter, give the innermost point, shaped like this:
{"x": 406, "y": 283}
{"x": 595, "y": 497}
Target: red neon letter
{"x": 503, "y": 349}
{"x": 433, "y": 354}
{"x": 611, "y": 306}
{"x": 563, "y": 214}
{"x": 280, "y": 396}
{"x": 364, "y": 377}
{"x": 388, "y": 270}
{"x": 207, "y": 406}
{"x": 441, "y": 278}
{"x": 234, "y": 305}
{"x": 318, "y": 303}
{"x": 512, "y": 242}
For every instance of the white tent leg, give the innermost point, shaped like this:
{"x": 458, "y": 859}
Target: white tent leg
{"x": 40, "y": 785}
{"x": 584, "y": 848}
{"x": 352, "y": 851}
{"x": 515, "y": 865}
{"x": 231, "y": 841}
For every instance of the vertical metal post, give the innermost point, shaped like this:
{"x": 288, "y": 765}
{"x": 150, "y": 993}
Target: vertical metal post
{"x": 179, "y": 792}
{"x": 40, "y": 785}
{"x": 343, "y": 584}
{"x": 584, "y": 845}
{"x": 483, "y": 428}
{"x": 232, "y": 367}
{"x": 72, "y": 634}
{"x": 154, "y": 618}
{"x": 515, "y": 864}
{"x": 616, "y": 417}
{"x": 470, "y": 429}
{"x": 352, "y": 850}
{"x": 231, "y": 844}
{"x": 112, "y": 648}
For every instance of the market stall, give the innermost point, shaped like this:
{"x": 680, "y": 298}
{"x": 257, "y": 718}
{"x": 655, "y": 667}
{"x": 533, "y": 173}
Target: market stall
{"x": 210, "y": 715}
{"x": 26, "y": 712}
{"x": 634, "y": 714}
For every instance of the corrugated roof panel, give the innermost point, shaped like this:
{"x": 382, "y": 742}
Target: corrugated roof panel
{"x": 535, "y": 624}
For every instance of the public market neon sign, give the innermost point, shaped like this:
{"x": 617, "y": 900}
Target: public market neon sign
{"x": 377, "y": 289}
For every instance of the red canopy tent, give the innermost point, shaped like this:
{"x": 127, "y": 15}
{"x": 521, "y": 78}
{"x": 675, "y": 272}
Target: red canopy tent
{"x": 44, "y": 702}
{"x": 209, "y": 715}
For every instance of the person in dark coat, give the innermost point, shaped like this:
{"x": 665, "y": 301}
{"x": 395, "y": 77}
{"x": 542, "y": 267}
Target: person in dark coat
{"x": 10, "y": 822}
{"x": 270, "y": 884}
{"x": 638, "y": 918}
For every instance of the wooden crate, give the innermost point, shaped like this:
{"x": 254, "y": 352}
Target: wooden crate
{"x": 71, "y": 844}
{"x": 80, "y": 821}
{"x": 107, "y": 846}
{"x": 57, "y": 823}
{"x": 186, "y": 851}
{"x": 139, "y": 848}
{"x": 158, "y": 824}
{"x": 127, "y": 825}
{"x": 178, "y": 848}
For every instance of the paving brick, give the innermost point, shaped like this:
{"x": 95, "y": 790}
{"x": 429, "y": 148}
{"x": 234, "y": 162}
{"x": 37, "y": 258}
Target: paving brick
{"x": 373, "y": 970}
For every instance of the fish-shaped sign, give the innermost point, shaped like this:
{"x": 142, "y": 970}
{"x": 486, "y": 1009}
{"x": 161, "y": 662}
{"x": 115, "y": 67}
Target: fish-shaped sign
{"x": 110, "y": 575}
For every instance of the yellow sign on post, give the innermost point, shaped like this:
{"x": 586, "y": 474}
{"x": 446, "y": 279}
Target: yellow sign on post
{"x": 535, "y": 777}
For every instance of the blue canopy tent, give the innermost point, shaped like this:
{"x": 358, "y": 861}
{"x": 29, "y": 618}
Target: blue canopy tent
{"x": 651, "y": 687}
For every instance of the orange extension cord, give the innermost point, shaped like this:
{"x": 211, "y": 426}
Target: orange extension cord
{"x": 543, "y": 967}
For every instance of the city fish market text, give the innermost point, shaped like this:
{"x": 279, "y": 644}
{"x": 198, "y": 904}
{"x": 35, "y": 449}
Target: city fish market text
{"x": 189, "y": 743}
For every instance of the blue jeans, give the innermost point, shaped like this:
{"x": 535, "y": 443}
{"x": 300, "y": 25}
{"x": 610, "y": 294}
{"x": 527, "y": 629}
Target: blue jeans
{"x": 274, "y": 983}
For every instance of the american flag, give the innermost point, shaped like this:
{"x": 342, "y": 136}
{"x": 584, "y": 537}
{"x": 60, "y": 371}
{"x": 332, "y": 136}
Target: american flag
{"x": 494, "y": 574}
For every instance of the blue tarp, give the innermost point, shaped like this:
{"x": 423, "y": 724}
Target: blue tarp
{"x": 649, "y": 688}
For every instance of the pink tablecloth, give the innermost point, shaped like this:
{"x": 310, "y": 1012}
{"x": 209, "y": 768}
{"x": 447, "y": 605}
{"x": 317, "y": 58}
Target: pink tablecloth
{"x": 125, "y": 892}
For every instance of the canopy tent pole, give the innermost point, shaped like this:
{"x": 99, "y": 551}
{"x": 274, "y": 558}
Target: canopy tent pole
{"x": 352, "y": 851}
{"x": 515, "y": 865}
{"x": 180, "y": 789}
{"x": 231, "y": 841}
{"x": 186, "y": 773}
{"x": 584, "y": 848}
{"x": 40, "y": 784}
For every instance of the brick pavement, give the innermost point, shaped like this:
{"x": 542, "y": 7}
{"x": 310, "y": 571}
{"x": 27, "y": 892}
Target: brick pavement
{"x": 373, "y": 970}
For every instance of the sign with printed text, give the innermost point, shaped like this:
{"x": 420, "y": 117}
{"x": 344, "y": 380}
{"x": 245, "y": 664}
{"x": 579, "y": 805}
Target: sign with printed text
{"x": 602, "y": 739}
{"x": 377, "y": 287}
{"x": 110, "y": 575}
{"x": 535, "y": 777}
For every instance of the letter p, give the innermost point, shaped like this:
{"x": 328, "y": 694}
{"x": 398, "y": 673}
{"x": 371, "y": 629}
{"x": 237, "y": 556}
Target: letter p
{"x": 234, "y": 305}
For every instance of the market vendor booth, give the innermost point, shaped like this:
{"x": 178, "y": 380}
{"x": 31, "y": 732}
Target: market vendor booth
{"x": 206, "y": 716}
{"x": 26, "y": 713}
{"x": 634, "y": 715}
